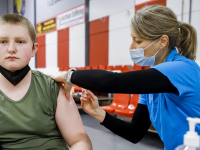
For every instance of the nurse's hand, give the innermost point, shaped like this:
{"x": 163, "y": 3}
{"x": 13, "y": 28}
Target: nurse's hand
{"x": 90, "y": 104}
{"x": 62, "y": 79}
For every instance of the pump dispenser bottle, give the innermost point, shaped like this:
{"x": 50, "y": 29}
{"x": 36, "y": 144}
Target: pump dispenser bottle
{"x": 191, "y": 138}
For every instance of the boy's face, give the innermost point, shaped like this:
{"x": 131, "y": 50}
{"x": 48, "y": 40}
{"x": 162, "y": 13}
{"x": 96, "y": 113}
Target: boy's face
{"x": 15, "y": 46}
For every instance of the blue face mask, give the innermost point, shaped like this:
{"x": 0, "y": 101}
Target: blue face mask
{"x": 137, "y": 56}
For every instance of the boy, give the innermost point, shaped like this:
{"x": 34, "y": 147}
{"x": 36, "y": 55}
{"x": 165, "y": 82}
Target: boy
{"x": 34, "y": 112}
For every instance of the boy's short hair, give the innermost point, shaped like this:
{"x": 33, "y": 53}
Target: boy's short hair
{"x": 18, "y": 19}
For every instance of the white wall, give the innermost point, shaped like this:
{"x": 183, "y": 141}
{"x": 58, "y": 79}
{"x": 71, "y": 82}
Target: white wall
{"x": 176, "y": 6}
{"x": 195, "y": 21}
{"x": 119, "y": 38}
{"x": 47, "y": 9}
{"x": 102, "y": 8}
{"x": 51, "y": 41}
{"x": 77, "y": 46}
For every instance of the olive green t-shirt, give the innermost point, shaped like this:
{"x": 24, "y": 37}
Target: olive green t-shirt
{"x": 29, "y": 124}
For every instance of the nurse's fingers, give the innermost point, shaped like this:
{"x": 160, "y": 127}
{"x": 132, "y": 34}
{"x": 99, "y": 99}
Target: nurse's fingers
{"x": 93, "y": 97}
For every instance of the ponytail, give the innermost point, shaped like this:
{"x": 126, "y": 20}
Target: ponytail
{"x": 188, "y": 41}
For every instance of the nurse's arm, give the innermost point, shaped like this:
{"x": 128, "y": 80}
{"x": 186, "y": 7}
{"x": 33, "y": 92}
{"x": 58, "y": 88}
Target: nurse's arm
{"x": 70, "y": 124}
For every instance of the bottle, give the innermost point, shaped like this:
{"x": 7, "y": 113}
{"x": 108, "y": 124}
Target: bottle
{"x": 191, "y": 138}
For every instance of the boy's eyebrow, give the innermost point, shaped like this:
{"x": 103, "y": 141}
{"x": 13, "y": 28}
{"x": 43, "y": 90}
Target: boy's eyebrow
{"x": 17, "y": 38}
{"x": 20, "y": 38}
{"x": 3, "y": 37}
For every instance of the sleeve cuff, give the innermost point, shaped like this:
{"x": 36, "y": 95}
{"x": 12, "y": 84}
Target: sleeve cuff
{"x": 73, "y": 76}
{"x": 107, "y": 119}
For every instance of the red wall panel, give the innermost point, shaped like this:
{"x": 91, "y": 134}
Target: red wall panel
{"x": 98, "y": 26}
{"x": 41, "y": 58}
{"x": 99, "y": 49}
{"x": 152, "y": 2}
{"x": 63, "y": 48}
{"x": 99, "y": 39}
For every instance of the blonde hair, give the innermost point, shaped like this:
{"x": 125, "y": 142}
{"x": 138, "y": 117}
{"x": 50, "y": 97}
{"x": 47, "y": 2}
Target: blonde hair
{"x": 153, "y": 21}
{"x": 18, "y": 19}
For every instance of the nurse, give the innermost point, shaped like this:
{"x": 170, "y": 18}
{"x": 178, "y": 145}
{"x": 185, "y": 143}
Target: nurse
{"x": 169, "y": 90}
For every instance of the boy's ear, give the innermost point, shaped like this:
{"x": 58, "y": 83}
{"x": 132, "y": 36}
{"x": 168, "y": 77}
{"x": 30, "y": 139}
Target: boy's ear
{"x": 35, "y": 48}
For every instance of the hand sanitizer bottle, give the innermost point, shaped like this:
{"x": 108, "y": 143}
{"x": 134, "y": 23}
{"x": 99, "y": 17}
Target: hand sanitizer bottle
{"x": 191, "y": 138}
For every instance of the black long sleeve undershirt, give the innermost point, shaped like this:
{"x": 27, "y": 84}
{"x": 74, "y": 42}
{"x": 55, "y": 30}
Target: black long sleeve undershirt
{"x": 134, "y": 82}
{"x": 133, "y": 131}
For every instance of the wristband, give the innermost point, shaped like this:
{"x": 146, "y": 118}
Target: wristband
{"x": 67, "y": 76}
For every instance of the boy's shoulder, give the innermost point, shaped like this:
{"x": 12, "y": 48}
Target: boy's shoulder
{"x": 41, "y": 77}
{"x": 39, "y": 74}
{"x": 43, "y": 80}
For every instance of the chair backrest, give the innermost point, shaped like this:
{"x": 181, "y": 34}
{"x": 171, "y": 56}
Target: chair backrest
{"x": 61, "y": 68}
{"x": 95, "y": 67}
{"x": 136, "y": 67}
{"x": 81, "y": 68}
{"x": 77, "y": 88}
{"x": 118, "y": 67}
{"x": 134, "y": 99}
{"x": 121, "y": 100}
{"x": 127, "y": 68}
{"x": 65, "y": 68}
{"x": 87, "y": 67}
{"x": 102, "y": 67}
{"x": 110, "y": 68}
{"x": 145, "y": 67}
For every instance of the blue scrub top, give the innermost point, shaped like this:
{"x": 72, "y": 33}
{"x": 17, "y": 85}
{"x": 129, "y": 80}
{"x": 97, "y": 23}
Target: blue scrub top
{"x": 168, "y": 111}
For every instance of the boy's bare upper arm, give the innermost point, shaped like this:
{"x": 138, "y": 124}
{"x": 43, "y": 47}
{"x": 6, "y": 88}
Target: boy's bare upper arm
{"x": 68, "y": 120}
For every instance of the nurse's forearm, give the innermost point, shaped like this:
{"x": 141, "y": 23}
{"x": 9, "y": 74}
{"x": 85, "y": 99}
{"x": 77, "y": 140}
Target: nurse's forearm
{"x": 133, "y": 131}
{"x": 133, "y": 82}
